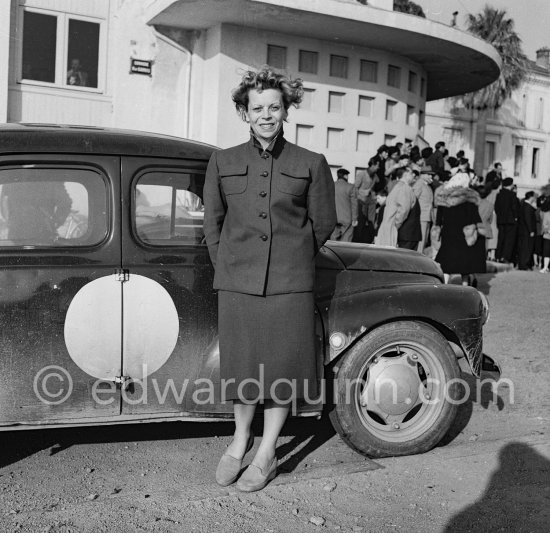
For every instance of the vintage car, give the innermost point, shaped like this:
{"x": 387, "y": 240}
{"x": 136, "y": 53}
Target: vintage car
{"x": 108, "y": 314}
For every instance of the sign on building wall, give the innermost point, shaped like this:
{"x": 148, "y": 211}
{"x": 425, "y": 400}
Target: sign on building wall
{"x": 141, "y": 66}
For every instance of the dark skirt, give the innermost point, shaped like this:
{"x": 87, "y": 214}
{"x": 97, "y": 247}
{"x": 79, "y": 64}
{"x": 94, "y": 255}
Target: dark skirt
{"x": 267, "y": 347}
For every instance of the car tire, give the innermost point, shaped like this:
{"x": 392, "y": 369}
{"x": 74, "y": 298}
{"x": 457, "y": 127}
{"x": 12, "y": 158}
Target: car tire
{"x": 396, "y": 390}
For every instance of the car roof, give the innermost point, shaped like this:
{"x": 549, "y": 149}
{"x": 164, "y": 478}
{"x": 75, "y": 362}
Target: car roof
{"x": 57, "y": 138}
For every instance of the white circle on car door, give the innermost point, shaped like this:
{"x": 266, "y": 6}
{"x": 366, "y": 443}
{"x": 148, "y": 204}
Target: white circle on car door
{"x": 150, "y": 326}
{"x": 111, "y": 323}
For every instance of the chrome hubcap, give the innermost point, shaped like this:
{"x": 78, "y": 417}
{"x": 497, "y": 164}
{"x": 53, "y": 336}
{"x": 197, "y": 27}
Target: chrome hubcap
{"x": 395, "y": 395}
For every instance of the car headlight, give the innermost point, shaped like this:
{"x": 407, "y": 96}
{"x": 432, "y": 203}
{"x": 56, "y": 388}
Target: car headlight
{"x": 337, "y": 341}
{"x": 485, "y": 313}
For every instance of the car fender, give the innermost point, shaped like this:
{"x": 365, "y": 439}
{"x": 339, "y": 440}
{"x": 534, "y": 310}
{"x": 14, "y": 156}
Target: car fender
{"x": 456, "y": 311}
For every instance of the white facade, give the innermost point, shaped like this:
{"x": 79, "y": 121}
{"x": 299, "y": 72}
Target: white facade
{"x": 518, "y": 134}
{"x": 345, "y": 118}
{"x": 359, "y": 95}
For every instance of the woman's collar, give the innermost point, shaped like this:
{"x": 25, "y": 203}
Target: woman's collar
{"x": 271, "y": 144}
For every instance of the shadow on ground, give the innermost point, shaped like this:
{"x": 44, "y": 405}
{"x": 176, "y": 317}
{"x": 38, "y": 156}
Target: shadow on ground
{"x": 473, "y": 391}
{"x": 301, "y": 442}
{"x": 517, "y": 498}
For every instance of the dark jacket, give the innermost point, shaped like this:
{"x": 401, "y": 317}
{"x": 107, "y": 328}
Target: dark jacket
{"x": 437, "y": 163}
{"x": 266, "y": 216}
{"x": 506, "y": 207}
{"x": 346, "y": 202}
{"x": 527, "y": 218}
{"x": 411, "y": 230}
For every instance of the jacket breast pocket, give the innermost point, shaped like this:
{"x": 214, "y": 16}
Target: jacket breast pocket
{"x": 234, "y": 180}
{"x": 293, "y": 180}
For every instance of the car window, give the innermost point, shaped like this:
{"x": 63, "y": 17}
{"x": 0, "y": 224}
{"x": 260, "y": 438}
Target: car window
{"x": 52, "y": 207}
{"x": 168, "y": 208}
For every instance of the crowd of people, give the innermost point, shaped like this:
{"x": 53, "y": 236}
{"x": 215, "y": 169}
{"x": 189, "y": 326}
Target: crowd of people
{"x": 433, "y": 202}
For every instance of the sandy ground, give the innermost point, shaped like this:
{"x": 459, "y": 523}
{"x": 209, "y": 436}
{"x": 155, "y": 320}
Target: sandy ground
{"x": 491, "y": 473}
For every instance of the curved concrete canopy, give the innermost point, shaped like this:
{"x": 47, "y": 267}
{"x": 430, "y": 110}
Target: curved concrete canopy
{"x": 456, "y": 62}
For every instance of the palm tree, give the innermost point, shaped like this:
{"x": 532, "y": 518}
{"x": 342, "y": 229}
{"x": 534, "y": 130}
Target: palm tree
{"x": 492, "y": 26}
{"x": 406, "y": 6}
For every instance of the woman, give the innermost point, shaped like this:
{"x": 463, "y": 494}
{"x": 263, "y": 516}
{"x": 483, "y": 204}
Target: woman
{"x": 400, "y": 224}
{"x": 493, "y": 187}
{"x": 486, "y": 212}
{"x": 539, "y": 241}
{"x": 269, "y": 207}
{"x": 545, "y": 208}
{"x": 457, "y": 207}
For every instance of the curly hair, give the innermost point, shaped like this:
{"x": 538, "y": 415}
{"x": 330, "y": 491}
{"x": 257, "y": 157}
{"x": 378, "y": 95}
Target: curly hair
{"x": 266, "y": 78}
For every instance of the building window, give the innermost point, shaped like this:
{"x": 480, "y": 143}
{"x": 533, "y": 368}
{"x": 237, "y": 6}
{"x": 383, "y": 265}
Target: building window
{"x": 336, "y": 102}
{"x": 540, "y": 114}
{"x": 394, "y": 76}
{"x": 390, "y": 110}
{"x": 518, "y": 159}
{"x": 366, "y": 106}
{"x": 308, "y": 62}
{"x": 410, "y": 115}
{"x": 523, "y": 119}
{"x": 423, "y": 87}
{"x": 39, "y": 46}
{"x": 338, "y": 66}
{"x": 421, "y": 120}
{"x": 307, "y": 99}
{"x": 535, "y": 163}
{"x": 60, "y": 49}
{"x": 490, "y": 153}
{"x": 364, "y": 142}
{"x": 303, "y": 135}
{"x": 368, "y": 71}
{"x": 335, "y": 138}
{"x": 389, "y": 139}
{"x": 276, "y": 56}
{"x": 413, "y": 80}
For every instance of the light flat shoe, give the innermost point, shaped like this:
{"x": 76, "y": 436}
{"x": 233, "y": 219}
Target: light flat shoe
{"x": 254, "y": 478}
{"x": 229, "y": 466}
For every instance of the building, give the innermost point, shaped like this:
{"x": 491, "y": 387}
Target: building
{"x": 169, "y": 66}
{"x": 518, "y": 134}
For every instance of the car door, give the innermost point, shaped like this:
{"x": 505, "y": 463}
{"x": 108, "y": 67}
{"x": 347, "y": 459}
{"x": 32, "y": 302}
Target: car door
{"x": 169, "y": 306}
{"x": 60, "y": 303}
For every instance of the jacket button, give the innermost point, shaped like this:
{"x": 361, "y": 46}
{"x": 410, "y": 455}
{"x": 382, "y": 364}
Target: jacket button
{"x": 265, "y": 174}
{"x": 263, "y": 194}
{"x": 264, "y": 237}
{"x": 265, "y": 156}
{"x": 263, "y": 215}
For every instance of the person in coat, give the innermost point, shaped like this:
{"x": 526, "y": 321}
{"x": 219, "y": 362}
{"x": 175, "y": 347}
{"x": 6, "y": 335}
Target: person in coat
{"x": 457, "y": 207}
{"x": 425, "y": 197}
{"x": 269, "y": 208}
{"x": 506, "y": 210}
{"x": 380, "y": 157}
{"x": 346, "y": 207}
{"x": 527, "y": 230}
{"x": 486, "y": 212}
{"x": 495, "y": 174}
{"x": 401, "y": 200}
{"x": 366, "y": 203}
{"x": 436, "y": 161}
{"x": 545, "y": 209}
